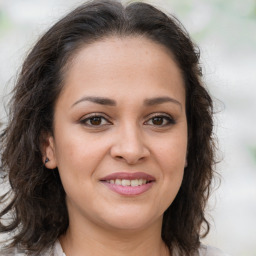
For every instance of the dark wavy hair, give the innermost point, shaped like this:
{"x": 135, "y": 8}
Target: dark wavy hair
{"x": 35, "y": 203}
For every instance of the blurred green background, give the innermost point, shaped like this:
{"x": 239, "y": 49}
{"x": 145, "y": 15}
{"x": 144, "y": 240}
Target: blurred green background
{"x": 226, "y": 33}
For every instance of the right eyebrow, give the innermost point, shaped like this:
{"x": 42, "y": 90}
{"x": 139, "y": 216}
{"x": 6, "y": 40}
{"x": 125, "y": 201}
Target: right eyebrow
{"x": 97, "y": 100}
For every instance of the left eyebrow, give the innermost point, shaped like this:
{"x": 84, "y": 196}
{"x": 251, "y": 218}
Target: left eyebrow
{"x": 97, "y": 100}
{"x": 160, "y": 100}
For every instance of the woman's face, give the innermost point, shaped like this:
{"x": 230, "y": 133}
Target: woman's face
{"x": 120, "y": 134}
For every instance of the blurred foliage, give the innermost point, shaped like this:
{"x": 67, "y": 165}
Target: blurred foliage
{"x": 253, "y": 13}
{"x": 252, "y": 150}
{"x": 5, "y": 23}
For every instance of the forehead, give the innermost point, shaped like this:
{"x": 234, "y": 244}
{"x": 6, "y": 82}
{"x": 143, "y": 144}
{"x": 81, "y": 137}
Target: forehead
{"x": 113, "y": 48}
{"x": 116, "y": 63}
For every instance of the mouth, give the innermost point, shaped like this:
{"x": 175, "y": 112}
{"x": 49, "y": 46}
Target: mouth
{"x": 125, "y": 183}
{"x": 128, "y": 183}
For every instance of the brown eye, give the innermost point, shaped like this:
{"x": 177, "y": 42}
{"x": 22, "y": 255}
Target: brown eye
{"x": 95, "y": 120}
{"x": 158, "y": 120}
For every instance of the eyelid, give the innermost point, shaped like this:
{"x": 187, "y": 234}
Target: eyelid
{"x": 85, "y": 118}
{"x": 95, "y": 114}
{"x": 171, "y": 120}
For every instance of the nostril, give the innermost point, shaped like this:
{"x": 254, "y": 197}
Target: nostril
{"x": 119, "y": 157}
{"x": 129, "y": 153}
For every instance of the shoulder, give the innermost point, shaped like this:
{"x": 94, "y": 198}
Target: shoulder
{"x": 210, "y": 251}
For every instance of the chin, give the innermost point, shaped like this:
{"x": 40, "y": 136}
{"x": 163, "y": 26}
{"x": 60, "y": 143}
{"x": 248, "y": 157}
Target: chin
{"x": 127, "y": 226}
{"x": 129, "y": 220}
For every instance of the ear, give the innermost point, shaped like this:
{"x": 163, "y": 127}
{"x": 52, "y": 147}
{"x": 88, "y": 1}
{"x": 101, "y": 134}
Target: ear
{"x": 48, "y": 151}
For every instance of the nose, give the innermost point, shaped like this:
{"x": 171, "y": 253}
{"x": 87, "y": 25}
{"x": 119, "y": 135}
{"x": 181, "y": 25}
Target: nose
{"x": 129, "y": 145}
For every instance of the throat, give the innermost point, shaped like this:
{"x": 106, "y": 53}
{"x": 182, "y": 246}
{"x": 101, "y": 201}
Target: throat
{"x": 112, "y": 247}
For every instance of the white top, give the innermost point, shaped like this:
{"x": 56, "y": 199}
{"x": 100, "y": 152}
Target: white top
{"x": 203, "y": 251}
{"x": 56, "y": 250}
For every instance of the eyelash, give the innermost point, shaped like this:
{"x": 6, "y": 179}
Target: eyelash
{"x": 96, "y": 115}
{"x": 168, "y": 120}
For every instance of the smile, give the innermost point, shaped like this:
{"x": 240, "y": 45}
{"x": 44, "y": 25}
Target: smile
{"x": 128, "y": 183}
{"x": 133, "y": 183}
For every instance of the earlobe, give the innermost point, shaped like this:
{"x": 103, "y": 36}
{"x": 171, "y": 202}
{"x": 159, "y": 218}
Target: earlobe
{"x": 48, "y": 153}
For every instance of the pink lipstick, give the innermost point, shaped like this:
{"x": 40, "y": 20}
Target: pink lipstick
{"x": 126, "y": 183}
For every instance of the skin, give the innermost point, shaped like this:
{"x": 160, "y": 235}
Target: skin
{"x": 126, "y": 138}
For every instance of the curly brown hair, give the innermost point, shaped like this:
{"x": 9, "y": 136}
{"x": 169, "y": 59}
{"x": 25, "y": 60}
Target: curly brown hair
{"x": 36, "y": 200}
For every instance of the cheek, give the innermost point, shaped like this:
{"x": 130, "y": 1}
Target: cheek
{"x": 172, "y": 162}
{"x": 76, "y": 157}
{"x": 79, "y": 154}
{"x": 172, "y": 152}
{"x": 171, "y": 157}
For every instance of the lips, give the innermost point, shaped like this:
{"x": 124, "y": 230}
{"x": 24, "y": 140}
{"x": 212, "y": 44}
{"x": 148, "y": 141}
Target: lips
{"x": 125, "y": 183}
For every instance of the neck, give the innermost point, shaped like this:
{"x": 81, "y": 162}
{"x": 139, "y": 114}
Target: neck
{"x": 94, "y": 240}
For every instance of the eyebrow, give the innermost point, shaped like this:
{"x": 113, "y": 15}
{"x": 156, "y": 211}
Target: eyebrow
{"x": 160, "y": 100}
{"x": 110, "y": 102}
{"x": 98, "y": 100}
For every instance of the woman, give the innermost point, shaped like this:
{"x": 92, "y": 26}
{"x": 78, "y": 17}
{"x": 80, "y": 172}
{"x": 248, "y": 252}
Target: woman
{"x": 109, "y": 147}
